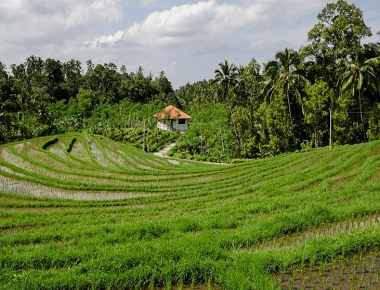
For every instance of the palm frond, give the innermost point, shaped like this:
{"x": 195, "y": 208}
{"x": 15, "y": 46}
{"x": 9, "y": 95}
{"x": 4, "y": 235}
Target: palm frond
{"x": 360, "y": 81}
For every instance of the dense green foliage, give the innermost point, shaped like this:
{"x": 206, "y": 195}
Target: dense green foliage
{"x": 244, "y": 112}
{"x": 40, "y": 98}
{"x": 161, "y": 223}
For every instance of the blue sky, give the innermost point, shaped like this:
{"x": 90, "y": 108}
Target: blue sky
{"x": 185, "y": 39}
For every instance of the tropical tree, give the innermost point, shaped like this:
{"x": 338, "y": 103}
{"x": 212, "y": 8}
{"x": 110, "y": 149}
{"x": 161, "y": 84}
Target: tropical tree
{"x": 316, "y": 103}
{"x": 277, "y": 122}
{"x": 5, "y": 120}
{"x": 251, "y": 79}
{"x": 226, "y": 78}
{"x": 340, "y": 26}
{"x": 167, "y": 94}
{"x": 22, "y": 102}
{"x": 34, "y": 67}
{"x": 53, "y": 78}
{"x": 191, "y": 95}
{"x": 72, "y": 74}
{"x": 251, "y": 76}
{"x": 23, "y": 98}
{"x": 139, "y": 88}
{"x": 4, "y": 85}
{"x": 356, "y": 73}
{"x": 284, "y": 73}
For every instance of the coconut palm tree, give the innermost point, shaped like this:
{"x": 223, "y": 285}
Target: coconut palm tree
{"x": 357, "y": 73}
{"x": 226, "y": 77}
{"x": 284, "y": 73}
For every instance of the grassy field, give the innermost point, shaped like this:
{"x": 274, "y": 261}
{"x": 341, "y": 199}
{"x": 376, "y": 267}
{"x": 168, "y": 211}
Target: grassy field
{"x": 79, "y": 211}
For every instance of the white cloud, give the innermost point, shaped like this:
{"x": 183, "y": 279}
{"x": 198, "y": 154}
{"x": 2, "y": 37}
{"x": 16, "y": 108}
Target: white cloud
{"x": 231, "y": 16}
{"x": 148, "y": 2}
{"x": 110, "y": 39}
{"x": 302, "y": 5}
{"x": 98, "y": 11}
{"x": 189, "y": 22}
{"x": 11, "y": 5}
{"x": 258, "y": 43}
{"x": 23, "y": 21}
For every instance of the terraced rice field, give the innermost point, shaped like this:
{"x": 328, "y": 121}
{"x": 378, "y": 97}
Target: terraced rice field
{"x": 79, "y": 211}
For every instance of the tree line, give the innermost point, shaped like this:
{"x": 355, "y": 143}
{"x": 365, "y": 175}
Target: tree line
{"x": 286, "y": 104}
{"x": 43, "y": 97}
{"x": 243, "y": 112}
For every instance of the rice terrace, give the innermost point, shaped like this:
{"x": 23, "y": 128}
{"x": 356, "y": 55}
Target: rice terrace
{"x": 79, "y": 211}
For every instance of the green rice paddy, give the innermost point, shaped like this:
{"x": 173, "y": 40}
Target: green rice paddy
{"x": 79, "y": 211}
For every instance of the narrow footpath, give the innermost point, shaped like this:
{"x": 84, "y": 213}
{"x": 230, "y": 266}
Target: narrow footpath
{"x": 164, "y": 151}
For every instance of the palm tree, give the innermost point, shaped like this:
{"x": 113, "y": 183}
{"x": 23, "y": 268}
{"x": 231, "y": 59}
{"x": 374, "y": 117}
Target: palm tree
{"x": 284, "y": 73}
{"x": 226, "y": 77}
{"x": 356, "y": 73}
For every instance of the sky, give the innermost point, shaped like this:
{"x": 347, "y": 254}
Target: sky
{"x": 185, "y": 39}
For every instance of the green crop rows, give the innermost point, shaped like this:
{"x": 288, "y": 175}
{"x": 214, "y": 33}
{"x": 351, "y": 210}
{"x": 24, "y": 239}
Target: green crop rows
{"x": 79, "y": 211}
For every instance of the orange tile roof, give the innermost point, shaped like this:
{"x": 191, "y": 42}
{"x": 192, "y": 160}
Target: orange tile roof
{"x": 172, "y": 112}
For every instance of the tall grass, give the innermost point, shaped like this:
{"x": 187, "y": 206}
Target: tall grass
{"x": 202, "y": 224}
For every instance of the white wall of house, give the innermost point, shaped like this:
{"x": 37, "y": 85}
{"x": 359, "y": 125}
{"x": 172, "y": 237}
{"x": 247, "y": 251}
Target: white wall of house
{"x": 163, "y": 126}
{"x": 173, "y": 125}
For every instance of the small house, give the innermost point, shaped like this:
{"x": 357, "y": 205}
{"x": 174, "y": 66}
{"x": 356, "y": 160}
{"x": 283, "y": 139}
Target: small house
{"x": 172, "y": 119}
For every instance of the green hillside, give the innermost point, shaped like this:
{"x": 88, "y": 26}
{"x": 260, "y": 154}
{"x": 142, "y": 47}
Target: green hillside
{"x": 80, "y": 211}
